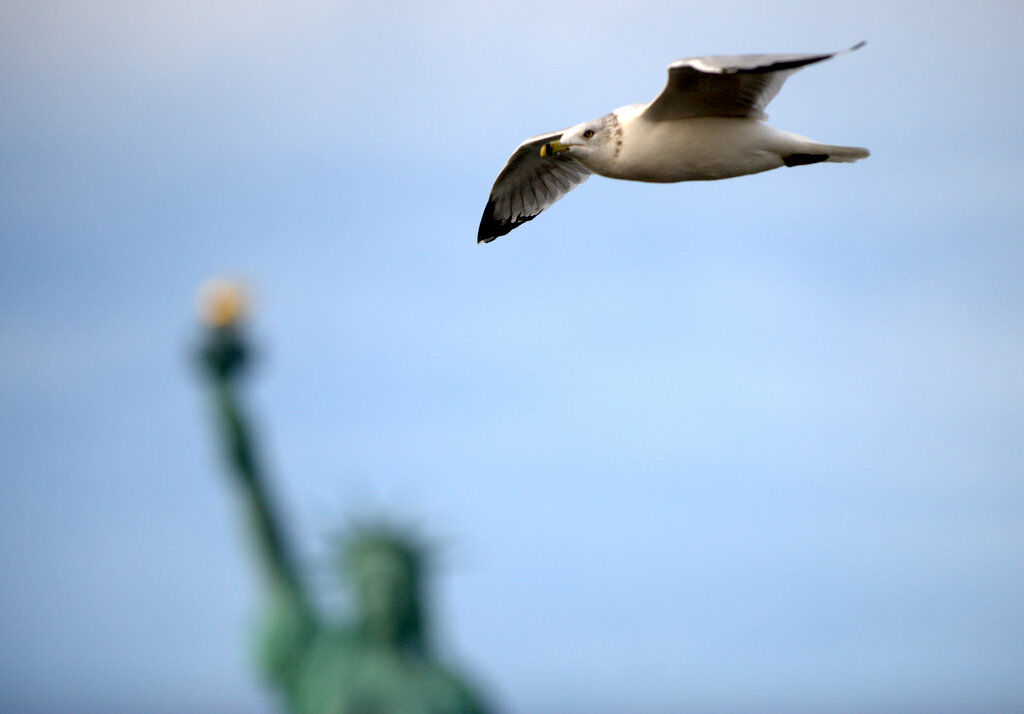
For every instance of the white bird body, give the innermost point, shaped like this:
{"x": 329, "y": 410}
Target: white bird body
{"x": 695, "y": 149}
{"x": 705, "y": 125}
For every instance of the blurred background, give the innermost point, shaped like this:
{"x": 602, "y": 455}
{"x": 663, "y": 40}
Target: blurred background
{"x": 741, "y": 446}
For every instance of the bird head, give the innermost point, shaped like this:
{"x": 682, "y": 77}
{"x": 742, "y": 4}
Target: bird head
{"x": 593, "y": 143}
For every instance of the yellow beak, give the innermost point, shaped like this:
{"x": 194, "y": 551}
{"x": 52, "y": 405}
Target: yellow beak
{"x": 553, "y": 147}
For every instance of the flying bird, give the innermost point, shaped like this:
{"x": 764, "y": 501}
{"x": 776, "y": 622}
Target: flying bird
{"x": 706, "y": 124}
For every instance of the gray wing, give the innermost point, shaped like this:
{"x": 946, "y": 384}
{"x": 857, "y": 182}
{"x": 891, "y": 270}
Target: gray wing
{"x": 527, "y": 185}
{"x": 727, "y": 85}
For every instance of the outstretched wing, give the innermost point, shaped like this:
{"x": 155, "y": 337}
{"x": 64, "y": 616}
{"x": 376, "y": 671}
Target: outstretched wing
{"x": 527, "y": 185}
{"x": 727, "y": 85}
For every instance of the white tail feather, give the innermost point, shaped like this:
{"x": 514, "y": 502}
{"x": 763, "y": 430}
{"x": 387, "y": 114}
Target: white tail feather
{"x": 844, "y": 154}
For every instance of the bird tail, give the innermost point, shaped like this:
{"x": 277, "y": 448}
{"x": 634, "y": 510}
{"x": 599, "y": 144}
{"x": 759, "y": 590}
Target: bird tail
{"x": 844, "y": 154}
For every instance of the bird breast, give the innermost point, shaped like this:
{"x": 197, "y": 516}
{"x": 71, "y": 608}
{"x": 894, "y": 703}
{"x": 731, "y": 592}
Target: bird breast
{"x": 693, "y": 149}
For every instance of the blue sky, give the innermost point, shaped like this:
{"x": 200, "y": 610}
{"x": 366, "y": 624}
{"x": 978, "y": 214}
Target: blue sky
{"x": 751, "y": 445}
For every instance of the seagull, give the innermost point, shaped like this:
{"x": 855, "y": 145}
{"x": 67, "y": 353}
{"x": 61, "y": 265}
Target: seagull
{"x": 706, "y": 124}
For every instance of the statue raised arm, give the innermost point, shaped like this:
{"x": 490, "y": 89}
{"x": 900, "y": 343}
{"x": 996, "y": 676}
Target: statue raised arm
{"x": 380, "y": 663}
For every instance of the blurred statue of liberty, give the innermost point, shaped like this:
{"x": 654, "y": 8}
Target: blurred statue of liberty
{"x": 381, "y": 662}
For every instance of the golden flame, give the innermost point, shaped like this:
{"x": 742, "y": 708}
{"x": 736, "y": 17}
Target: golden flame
{"x": 221, "y": 302}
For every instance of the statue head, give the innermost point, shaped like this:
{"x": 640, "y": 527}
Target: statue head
{"x": 384, "y": 569}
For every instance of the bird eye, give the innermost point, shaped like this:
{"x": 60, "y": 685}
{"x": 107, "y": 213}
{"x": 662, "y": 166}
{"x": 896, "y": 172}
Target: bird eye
{"x": 588, "y": 133}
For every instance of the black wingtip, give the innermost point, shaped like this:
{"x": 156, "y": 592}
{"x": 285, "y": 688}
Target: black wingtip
{"x": 804, "y": 159}
{"x": 491, "y": 228}
{"x": 858, "y": 45}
